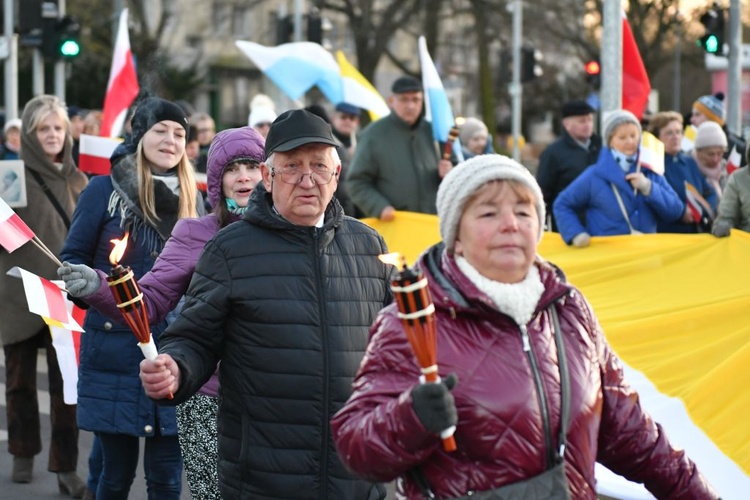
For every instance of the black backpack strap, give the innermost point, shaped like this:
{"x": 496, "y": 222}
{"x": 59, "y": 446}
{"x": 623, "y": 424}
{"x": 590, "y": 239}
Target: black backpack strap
{"x": 51, "y": 197}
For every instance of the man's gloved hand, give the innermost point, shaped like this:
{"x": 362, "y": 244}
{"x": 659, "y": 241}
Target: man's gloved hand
{"x": 80, "y": 280}
{"x": 434, "y": 404}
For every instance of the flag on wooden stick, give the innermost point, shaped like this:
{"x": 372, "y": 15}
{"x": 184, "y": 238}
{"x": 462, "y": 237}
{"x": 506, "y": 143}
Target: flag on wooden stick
{"x": 13, "y": 230}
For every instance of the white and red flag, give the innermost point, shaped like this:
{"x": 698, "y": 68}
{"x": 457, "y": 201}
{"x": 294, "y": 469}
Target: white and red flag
{"x": 13, "y": 230}
{"x": 94, "y": 154}
{"x": 46, "y": 299}
{"x": 696, "y": 203}
{"x": 67, "y": 344}
{"x": 734, "y": 160}
{"x": 123, "y": 87}
{"x": 635, "y": 84}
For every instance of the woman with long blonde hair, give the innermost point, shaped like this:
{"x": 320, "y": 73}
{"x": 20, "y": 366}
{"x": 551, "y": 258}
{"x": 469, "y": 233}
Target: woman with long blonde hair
{"x": 150, "y": 187}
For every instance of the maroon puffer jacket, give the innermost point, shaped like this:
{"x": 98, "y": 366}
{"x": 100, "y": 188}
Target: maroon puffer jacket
{"x": 500, "y": 432}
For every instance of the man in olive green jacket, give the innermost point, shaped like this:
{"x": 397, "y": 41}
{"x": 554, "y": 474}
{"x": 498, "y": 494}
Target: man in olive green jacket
{"x": 397, "y": 165}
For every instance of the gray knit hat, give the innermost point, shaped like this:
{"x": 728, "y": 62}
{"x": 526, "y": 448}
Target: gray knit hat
{"x": 463, "y": 180}
{"x": 470, "y": 128}
{"x": 616, "y": 118}
{"x": 710, "y": 134}
{"x": 712, "y": 106}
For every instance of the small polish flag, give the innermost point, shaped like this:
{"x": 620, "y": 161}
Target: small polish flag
{"x": 122, "y": 87}
{"x": 652, "y": 153}
{"x": 94, "y": 154}
{"x": 67, "y": 344}
{"x": 13, "y": 230}
{"x": 734, "y": 160}
{"x": 696, "y": 203}
{"x": 46, "y": 299}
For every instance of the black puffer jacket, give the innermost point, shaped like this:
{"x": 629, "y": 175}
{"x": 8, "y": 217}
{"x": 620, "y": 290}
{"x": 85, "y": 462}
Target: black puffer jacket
{"x": 287, "y": 309}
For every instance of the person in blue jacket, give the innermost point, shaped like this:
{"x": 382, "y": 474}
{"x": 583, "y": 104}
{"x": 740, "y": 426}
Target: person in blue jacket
{"x": 151, "y": 186}
{"x": 615, "y": 194}
{"x": 698, "y": 197}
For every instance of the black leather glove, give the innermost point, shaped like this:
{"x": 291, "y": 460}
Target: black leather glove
{"x": 434, "y": 404}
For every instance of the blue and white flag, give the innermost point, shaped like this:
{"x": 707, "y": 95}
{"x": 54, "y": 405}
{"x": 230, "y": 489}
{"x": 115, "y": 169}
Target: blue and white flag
{"x": 437, "y": 108}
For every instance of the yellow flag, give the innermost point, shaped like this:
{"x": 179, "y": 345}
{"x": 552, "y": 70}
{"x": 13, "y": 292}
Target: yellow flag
{"x": 358, "y": 91}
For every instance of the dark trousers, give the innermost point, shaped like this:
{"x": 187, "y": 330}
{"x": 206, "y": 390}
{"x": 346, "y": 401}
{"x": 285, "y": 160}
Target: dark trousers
{"x": 162, "y": 466}
{"x": 24, "y": 435}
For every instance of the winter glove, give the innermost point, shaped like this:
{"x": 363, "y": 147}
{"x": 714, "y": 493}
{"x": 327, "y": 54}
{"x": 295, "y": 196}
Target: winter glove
{"x": 434, "y": 404}
{"x": 721, "y": 229}
{"x": 80, "y": 280}
{"x": 581, "y": 240}
{"x": 640, "y": 183}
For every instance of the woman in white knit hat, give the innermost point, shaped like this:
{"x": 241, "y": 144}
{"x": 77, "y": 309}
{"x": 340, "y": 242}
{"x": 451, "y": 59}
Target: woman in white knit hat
{"x": 710, "y": 146}
{"x": 615, "y": 195}
{"x": 540, "y": 395}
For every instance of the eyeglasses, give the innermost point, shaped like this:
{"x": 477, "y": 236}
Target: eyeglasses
{"x": 292, "y": 175}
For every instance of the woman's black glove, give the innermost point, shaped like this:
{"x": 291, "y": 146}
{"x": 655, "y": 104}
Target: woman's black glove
{"x": 434, "y": 404}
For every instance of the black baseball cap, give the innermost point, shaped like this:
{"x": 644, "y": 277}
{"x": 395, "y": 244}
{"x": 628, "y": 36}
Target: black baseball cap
{"x": 295, "y": 128}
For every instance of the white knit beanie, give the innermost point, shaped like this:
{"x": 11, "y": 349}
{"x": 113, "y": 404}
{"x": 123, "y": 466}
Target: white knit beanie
{"x": 616, "y": 118}
{"x": 710, "y": 134}
{"x": 463, "y": 180}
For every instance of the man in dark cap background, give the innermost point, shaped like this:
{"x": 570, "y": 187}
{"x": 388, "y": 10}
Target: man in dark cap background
{"x": 564, "y": 160}
{"x": 76, "y": 116}
{"x": 345, "y": 126}
{"x": 397, "y": 165}
{"x": 284, "y": 298}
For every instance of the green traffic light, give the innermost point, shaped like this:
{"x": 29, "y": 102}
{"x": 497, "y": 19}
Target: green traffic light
{"x": 70, "y": 48}
{"x": 712, "y": 44}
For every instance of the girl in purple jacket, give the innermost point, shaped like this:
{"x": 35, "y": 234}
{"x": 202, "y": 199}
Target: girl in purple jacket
{"x": 233, "y": 171}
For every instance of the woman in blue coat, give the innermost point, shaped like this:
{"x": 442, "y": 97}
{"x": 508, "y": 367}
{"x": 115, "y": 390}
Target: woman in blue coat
{"x": 151, "y": 186}
{"x": 699, "y": 200}
{"x": 614, "y": 196}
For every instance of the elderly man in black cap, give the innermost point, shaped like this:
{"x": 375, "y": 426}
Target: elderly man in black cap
{"x": 397, "y": 165}
{"x": 564, "y": 160}
{"x": 284, "y": 299}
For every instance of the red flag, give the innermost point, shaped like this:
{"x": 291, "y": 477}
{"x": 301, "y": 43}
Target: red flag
{"x": 635, "y": 84}
{"x": 123, "y": 83}
{"x": 13, "y": 230}
{"x": 94, "y": 154}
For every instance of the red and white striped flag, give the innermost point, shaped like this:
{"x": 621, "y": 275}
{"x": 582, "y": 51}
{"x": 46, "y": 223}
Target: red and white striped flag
{"x": 696, "y": 203}
{"x": 94, "y": 154}
{"x": 635, "y": 84}
{"x": 67, "y": 344}
{"x": 123, "y": 87}
{"x": 734, "y": 160}
{"x": 46, "y": 299}
{"x": 13, "y": 230}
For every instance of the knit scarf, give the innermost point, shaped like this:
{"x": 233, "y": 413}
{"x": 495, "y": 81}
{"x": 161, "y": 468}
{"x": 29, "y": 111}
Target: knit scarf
{"x": 713, "y": 175}
{"x": 517, "y": 300}
{"x": 125, "y": 201}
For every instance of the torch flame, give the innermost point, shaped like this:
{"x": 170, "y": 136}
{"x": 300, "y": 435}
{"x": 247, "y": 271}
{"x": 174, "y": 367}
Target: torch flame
{"x": 460, "y": 120}
{"x": 394, "y": 259}
{"x": 119, "y": 249}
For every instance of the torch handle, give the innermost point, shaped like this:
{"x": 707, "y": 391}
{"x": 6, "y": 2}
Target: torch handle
{"x": 448, "y": 148}
{"x": 149, "y": 352}
{"x": 449, "y": 442}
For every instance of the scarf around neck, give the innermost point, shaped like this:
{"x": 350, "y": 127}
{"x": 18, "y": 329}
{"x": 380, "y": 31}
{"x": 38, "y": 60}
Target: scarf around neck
{"x": 517, "y": 300}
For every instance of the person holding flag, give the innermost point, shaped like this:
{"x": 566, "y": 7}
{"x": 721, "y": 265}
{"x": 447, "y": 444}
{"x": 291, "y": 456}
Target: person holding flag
{"x": 698, "y": 198}
{"x": 53, "y": 184}
{"x": 616, "y": 194}
{"x": 396, "y": 165}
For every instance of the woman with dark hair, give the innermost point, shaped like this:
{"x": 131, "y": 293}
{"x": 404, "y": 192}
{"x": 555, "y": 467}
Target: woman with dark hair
{"x": 151, "y": 186}
{"x": 233, "y": 172}
{"x": 53, "y": 184}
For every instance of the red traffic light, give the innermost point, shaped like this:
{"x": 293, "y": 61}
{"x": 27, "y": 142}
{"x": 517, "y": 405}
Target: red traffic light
{"x": 592, "y": 68}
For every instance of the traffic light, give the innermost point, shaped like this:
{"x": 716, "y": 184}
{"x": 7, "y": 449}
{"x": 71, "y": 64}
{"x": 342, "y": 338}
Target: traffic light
{"x": 60, "y": 39}
{"x": 505, "y": 72}
{"x": 593, "y": 73}
{"x": 284, "y": 29}
{"x": 713, "y": 40}
{"x": 530, "y": 63}
{"x": 315, "y": 28}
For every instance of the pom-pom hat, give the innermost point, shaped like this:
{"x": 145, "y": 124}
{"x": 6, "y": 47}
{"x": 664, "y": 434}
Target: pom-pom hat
{"x": 463, "y": 180}
{"x": 712, "y": 106}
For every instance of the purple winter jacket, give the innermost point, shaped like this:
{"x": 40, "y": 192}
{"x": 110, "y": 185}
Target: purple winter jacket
{"x": 168, "y": 280}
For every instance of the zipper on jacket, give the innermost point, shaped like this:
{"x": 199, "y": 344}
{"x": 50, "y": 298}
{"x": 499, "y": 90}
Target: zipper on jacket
{"x": 326, "y": 367}
{"x": 541, "y": 395}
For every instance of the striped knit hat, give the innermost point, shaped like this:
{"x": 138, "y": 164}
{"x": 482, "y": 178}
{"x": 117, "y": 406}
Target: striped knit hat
{"x": 712, "y": 106}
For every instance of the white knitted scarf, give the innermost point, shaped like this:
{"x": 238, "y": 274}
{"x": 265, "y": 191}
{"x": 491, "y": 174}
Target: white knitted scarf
{"x": 517, "y": 300}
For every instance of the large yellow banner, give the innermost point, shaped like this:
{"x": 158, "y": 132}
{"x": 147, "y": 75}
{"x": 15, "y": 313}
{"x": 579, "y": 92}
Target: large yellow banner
{"x": 674, "y": 307}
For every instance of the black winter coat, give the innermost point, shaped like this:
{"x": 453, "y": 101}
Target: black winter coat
{"x": 287, "y": 310}
{"x": 561, "y": 163}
